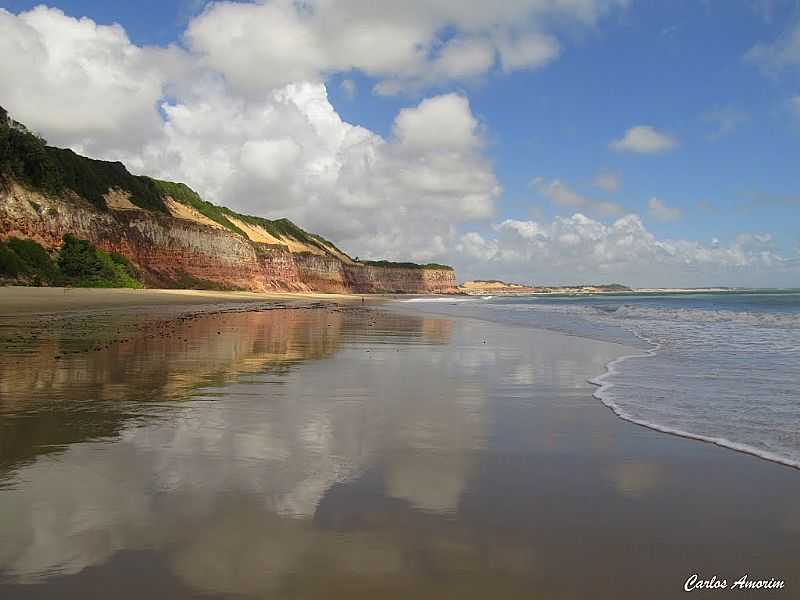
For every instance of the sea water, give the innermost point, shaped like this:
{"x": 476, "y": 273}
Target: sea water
{"x": 723, "y": 367}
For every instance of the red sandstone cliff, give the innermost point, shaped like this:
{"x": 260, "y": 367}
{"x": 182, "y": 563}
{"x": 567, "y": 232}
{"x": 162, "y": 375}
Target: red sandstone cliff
{"x": 171, "y": 251}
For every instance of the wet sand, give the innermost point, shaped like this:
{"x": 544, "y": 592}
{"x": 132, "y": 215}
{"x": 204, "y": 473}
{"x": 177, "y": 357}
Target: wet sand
{"x": 26, "y": 300}
{"x": 342, "y": 452}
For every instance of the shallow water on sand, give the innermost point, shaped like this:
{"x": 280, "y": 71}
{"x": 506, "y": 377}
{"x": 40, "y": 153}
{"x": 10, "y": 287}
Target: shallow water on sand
{"x": 723, "y": 367}
{"x": 349, "y": 453}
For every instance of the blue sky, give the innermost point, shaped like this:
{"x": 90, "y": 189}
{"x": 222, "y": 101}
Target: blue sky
{"x": 685, "y": 69}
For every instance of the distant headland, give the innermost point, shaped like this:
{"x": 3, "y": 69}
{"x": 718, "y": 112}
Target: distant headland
{"x": 481, "y": 287}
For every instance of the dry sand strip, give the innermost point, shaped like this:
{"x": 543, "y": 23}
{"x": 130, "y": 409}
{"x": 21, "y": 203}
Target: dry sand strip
{"x": 32, "y": 300}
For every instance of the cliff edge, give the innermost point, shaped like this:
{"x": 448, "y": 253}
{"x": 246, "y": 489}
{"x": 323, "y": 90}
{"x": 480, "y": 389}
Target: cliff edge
{"x": 174, "y": 237}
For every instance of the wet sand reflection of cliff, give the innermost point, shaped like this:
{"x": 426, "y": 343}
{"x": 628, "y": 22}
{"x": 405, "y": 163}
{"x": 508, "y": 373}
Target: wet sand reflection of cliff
{"x": 245, "y": 470}
{"x": 76, "y": 378}
{"x": 80, "y": 378}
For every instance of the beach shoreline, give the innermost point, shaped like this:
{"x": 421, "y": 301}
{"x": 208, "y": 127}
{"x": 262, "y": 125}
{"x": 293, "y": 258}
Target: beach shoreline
{"x": 18, "y": 300}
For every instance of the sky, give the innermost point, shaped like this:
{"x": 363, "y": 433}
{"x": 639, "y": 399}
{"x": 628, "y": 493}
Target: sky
{"x": 536, "y": 141}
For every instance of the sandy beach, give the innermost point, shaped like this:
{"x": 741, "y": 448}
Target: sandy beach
{"x": 286, "y": 451}
{"x": 26, "y": 300}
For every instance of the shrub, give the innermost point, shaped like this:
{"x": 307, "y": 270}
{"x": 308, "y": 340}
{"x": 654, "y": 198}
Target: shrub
{"x": 27, "y": 262}
{"x": 10, "y": 264}
{"x": 24, "y": 157}
{"x": 86, "y": 266}
{"x": 36, "y": 259}
{"x": 79, "y": 264}
{"x": 124, "y": 264}
{"x": 77, "y": 258}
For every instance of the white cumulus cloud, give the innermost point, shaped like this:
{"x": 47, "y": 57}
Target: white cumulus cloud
{"x": 264, "y": 45}
{"x": 644, "y": 139}
{"x": 442, "y": 123}
{"x": 527, "y": 51}
{"x": 578, "y": 248}
{"x": 82, "y": 84}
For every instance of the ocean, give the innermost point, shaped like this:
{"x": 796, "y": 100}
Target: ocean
{"x": 723, "y": 367}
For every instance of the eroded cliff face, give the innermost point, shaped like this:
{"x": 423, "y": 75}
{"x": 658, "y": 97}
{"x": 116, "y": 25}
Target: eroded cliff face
{"x": 328, "y": 274}
{"x": 176, "y": 252}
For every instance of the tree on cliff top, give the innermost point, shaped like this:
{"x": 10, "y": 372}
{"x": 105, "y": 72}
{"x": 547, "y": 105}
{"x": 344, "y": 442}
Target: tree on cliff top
{"x": 24, "y": 157}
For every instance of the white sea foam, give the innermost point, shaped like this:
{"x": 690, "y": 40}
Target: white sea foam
{"x": 725, "y": 370}
{"x": 731, "y": 378}
{"x": 604, "y": 393}
{"x": 632, "y": 311}
{"x": 438, "y": 299}
{"x": 709, "y": 316}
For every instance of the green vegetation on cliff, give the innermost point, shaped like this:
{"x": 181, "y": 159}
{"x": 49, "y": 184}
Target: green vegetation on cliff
{"x": 92, "y": 179}
{"x": 84, "y": 265}
{"x": 182, "y": 193}
{"x": 407, "y": 265}
{"x": 28, "y": 159}
{"x": 24, "y": 157}
{"x": 281, "y": 228}
{"x": 285, "y": 228}
{"x": 27, "y": 261}
{"x": 78, "y": 264}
